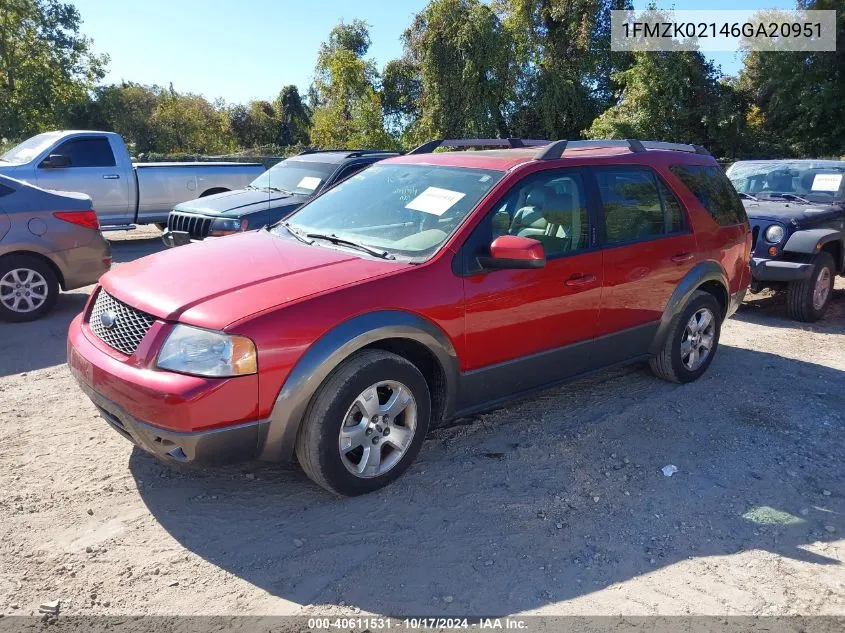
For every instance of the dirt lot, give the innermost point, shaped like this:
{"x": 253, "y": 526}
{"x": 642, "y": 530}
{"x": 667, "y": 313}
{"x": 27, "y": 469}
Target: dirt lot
{"x": 554, "y": 505}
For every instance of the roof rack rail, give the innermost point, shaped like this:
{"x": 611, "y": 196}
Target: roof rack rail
{"x": 556, "y": 149}
{"x": 351, "y": 152}
{"x": 429, "y": 146}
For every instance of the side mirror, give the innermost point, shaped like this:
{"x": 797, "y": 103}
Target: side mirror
{"x": 513, "y": 251}
{"x": 54, "y": 161}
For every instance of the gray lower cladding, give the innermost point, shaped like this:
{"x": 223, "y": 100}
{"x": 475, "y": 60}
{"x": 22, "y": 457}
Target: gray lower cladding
{"x": 779, "y": 270}
{"x": 235, "y": 443}
{"x": 499, "y": 383}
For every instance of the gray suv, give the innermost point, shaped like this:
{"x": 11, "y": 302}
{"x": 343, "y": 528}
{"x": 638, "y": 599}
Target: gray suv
{"x": 48, "y": 240}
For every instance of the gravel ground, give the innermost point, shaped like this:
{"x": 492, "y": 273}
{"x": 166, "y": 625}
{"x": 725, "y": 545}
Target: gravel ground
{"x": 554, "y": 505}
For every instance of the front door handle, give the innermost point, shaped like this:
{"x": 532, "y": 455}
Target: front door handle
{"x": 111, "y": 176}
{"x": 577, "y": 280}
{"x": 680, "y": 258}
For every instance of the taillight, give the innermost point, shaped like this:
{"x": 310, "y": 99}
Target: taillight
{"x": 82, "y": 218}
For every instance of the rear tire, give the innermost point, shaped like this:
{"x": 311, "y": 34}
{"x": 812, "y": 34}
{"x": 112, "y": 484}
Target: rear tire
{"x": 807, "y": 299}
{"x": 692, "y": 340}
{"x": 28, "y": 288}
{"x": 344, "y": 444}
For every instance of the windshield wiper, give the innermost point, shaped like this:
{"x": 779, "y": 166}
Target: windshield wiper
{"x": 290, "y": 193}
{"x": 748, "y": 196}
{"x": 334, "y": 239}
{"x": 297, "y": 234}
{"x": 790, "y": 196}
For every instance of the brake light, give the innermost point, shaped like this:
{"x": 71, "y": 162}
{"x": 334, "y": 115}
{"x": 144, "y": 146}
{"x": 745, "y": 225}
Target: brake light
{"x": 82, "y": 218}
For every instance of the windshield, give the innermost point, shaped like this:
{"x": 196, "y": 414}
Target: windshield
{"x": 294, "y": 176}
{"x": 405, "y": 210}
{"x": 816, "y": 181}
{"x": 31, "y": 147}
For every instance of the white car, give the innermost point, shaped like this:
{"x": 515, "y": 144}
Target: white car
{"x": 98, "y": 164}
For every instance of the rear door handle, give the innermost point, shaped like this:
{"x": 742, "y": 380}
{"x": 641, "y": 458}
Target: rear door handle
{"x": 579, "y": 280}
{"x": 680, "y": 258}
{"x": 111, "y": 176}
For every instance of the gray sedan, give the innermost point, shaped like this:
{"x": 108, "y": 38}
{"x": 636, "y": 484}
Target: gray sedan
{"x": 48, "y": 240}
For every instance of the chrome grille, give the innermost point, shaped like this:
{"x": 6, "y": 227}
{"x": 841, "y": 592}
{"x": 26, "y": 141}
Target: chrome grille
{"x": 196, "y": 225}
{"x": 129, "y": 325}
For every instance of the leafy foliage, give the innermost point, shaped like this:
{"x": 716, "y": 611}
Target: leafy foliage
{"x": 46, "y": 66}
{"x": 348, "y": 112}
{"x": 530, "y": 68}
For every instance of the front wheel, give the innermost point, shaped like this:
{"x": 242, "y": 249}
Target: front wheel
{"x": 692, "y": 340}
{"x": 807, "y": 299}
{"x": 366, "y": 423}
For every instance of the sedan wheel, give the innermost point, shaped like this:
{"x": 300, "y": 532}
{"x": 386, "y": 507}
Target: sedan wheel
{"x": 23, "y": 290}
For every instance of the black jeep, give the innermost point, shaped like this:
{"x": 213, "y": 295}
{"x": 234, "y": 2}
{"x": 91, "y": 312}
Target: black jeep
{"x": 797, "y": 214}
{"x": 275, "y": 194}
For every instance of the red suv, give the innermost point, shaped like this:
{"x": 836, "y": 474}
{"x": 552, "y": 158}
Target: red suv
{"x": 424, "y": 288}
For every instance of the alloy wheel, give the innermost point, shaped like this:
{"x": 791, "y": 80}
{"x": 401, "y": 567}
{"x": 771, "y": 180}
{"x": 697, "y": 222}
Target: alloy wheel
{"x": 23, "y": 290}
{"x": 697, "y": 341}
{"x": 821, "y": 291}
{"x": 378, "y": 429}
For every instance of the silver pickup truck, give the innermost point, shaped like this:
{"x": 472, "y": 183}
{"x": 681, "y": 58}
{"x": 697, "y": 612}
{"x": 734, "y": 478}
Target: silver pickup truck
{"x": 124, "y": 194}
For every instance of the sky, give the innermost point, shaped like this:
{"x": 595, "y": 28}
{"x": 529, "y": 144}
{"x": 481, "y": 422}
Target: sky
{"x": 241, "y": 50}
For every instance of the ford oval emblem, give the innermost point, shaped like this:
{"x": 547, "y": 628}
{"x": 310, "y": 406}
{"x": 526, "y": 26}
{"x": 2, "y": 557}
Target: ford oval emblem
{"x": 108, "y": 319}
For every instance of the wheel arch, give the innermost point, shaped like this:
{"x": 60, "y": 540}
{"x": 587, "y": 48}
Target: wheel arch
{"x": 213, "y": 190}
{"x": 812, "y": 241}
{"x": 56, "y": 270}
{"x": 707, "y": 276}
{"x": 410, "y": 335}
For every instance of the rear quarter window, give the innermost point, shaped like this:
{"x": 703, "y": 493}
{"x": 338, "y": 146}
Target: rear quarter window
{"x": 714, "y": 191}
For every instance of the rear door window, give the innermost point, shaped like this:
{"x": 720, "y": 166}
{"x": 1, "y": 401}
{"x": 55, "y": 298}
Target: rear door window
{"x": 87, "y": 152}
{"x": 638, "y": 206}
{"x": 714, "y": 191}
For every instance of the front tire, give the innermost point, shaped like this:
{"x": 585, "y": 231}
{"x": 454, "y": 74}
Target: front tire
{"x": 28, "y": 288}
{"x": 366, "y": 423}
{"x": 692, "y": 341}
{"x": 807, "y": 299}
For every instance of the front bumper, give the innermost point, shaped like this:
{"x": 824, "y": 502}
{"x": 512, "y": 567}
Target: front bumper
{"x": 217, "y": 446}
{"x": 175, "y": 416}
{"x": 172, "y": 239}
{"x": 778, "y": 270}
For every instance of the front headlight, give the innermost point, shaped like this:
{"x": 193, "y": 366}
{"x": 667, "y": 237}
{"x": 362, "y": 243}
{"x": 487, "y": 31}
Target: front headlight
{"x": 774, "y": 234}
{"x": 191, "y": 350}
{"x": 227, "y": 226}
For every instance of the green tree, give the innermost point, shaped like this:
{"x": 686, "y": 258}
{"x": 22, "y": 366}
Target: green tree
{"x": 798, "y": 96}
{"x": 348, "y": 110}
{"x": 566, "y": 68}
{"x": 189, "y": 123}
{"x": 464, "y": 57}
{"x": 46, "y": 66}
{"x": 127, "y": 109}
{"x": 294, "y": 117}
{"x": 672, "y": 96}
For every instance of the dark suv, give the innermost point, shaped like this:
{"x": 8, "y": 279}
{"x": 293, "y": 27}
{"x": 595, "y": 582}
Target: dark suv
{"x": 427, "y": 287}
{"x": 797, "y": 213}
{"x": 273, "y": 195}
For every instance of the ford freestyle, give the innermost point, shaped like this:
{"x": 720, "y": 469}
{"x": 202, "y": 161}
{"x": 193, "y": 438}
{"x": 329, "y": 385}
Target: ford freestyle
{"x": 424, "y": 288}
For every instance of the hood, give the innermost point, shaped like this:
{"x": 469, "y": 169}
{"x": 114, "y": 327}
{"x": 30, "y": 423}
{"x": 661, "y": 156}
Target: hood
{"x": 240, "y": 202}
{"x": 786, "y": 211}
{"x": 214, "y": 283}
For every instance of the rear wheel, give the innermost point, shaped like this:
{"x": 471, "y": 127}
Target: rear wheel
{"x": 366, "y": 423}
{"x": 807, "y": 299}
{"x": 692, "y": 341}
{"x": 28, "y": 288}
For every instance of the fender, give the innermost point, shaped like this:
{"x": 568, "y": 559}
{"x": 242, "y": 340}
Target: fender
{"x": 332, "y": 349}
{"x": 811, "y": 242}
{"x": 701, "y": 273}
